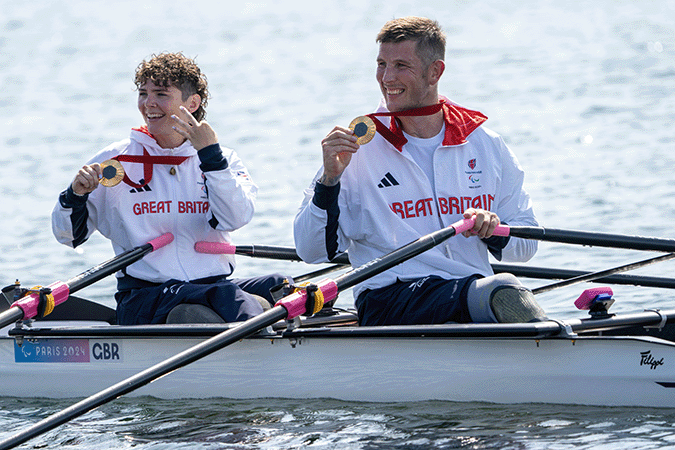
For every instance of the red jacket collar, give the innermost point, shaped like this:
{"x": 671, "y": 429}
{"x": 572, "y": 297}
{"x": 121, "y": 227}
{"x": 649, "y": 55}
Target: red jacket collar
{"x": 459, "y": 123}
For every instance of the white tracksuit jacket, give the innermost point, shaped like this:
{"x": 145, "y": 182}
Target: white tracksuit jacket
{"x": 386, "y": 201}
{"x": 195, "y": 204}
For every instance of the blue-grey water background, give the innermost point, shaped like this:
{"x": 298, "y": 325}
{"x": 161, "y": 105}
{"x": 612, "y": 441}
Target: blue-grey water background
{"x": 583, "y": 92}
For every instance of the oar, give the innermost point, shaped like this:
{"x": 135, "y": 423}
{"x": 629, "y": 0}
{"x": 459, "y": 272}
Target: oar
{"x": 56, "y": 293}
{"x": 602, "y": 273}
{"x": 546, "y": 273}
{"x": 588, "y": 238}
{"x": 258, "y": 251}
{"x": 270, "y": 252}
{"x": 318, "y": 273}
{"x": 287, "y": 308}
{"x": 289, "y": 254}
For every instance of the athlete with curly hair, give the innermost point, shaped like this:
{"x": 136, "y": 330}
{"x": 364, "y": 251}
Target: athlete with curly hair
{"x": 175, "y": 178}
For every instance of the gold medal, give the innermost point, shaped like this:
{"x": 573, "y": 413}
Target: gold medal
{"x": 364, "y": 129}
{"x": 112, "y": 173}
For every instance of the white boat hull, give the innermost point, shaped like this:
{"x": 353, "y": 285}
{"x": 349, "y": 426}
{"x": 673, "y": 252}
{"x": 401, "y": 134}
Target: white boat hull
{"x": 582, "y": 370}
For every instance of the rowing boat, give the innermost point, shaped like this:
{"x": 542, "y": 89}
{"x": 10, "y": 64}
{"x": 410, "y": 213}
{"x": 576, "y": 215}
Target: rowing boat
{"x": 605, "y": 359}
{"x": 623, "y": 359}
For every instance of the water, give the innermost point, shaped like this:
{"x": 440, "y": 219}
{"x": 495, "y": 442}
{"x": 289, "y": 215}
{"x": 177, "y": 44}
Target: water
{"x": 582, "y": 92}
{"x": 330, "y": 424}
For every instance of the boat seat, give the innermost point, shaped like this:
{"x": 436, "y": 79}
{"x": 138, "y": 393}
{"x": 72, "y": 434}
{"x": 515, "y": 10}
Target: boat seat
{"x": 193, "y": 313}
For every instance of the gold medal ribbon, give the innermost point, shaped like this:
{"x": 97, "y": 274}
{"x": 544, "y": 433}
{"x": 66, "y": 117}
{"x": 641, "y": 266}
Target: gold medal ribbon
{"x": 460, "y": 122}
{"x": 148, "y": 163}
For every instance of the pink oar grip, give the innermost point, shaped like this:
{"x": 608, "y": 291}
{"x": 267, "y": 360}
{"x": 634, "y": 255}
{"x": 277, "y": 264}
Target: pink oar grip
{"x": 161, "y": 241}
{"x": 215, "y": 248}
{"x": 464, "y": 225}
{"x": 467, "y": 224}
{"x": 29, "y": 304}
{"x": 502, "y": 230}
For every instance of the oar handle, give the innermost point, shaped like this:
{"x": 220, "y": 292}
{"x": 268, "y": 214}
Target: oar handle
{"x": 161, "y": 241}
{"x": 258, "y": 251}
{"x": 502, "y": 230}
{"x": 215, "y": 248}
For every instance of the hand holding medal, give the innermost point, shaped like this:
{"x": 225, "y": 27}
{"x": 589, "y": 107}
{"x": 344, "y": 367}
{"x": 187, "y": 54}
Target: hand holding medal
{"x": 108, "y": 173}
{"x": 339, "y": 146}
{"x": 364, "y": 129}
{"x": 112, "y": 173}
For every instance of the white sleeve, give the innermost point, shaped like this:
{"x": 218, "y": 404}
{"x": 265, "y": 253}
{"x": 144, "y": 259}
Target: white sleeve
{"x": 232, "y": 194}
{"x": 515, "y": 207}
{"x": 316, "y": 228}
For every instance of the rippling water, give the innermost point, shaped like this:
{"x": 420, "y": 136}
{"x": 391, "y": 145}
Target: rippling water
{"x": 582, "y": 91}
{"x": 329, "y": 424}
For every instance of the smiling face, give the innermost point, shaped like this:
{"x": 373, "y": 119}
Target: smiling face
{"x": 405, "y": 80}
{"x": 157, "y": 104}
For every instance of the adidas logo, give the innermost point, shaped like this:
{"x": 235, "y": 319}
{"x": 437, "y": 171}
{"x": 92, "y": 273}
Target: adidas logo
{"x": 145, "y": 188}
{"x": 388, "y": 181}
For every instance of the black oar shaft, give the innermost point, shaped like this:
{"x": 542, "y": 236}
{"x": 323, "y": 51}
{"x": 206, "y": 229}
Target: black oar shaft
{"x": 289, "y": 254}
{"x": 106, "y": 268}
{"x": 602, "y": 273}
{"x": 277, "y": 252}
{"x": 22, "y": 309}
{"x": 318, "y": 273}
{"x": 143, "y": 378}
{"x": 379, "y": 265}
{"x": 594, "y": 238}
{"x": 546, "y": 273}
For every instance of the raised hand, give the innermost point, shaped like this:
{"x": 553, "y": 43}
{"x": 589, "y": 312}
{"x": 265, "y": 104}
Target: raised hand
{"x": 338, "y": 148}
{"x": 200, "y": 134}
{"x": 87, "y": 179}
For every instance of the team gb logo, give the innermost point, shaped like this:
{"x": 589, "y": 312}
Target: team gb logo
{"x": 472, "y": 163}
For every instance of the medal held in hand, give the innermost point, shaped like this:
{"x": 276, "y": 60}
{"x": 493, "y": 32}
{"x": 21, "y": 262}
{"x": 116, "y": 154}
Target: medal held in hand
{"x": 364, "y": 129}
{"x": 112, "y": 173}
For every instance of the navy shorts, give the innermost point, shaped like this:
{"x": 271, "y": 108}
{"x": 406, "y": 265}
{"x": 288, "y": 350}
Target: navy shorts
{"x": 231, "y": 299}
{"x": 428, "y": 300}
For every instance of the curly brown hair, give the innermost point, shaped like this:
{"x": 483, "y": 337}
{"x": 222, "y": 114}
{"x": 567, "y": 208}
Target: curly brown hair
{"x": 175, "y": 69}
